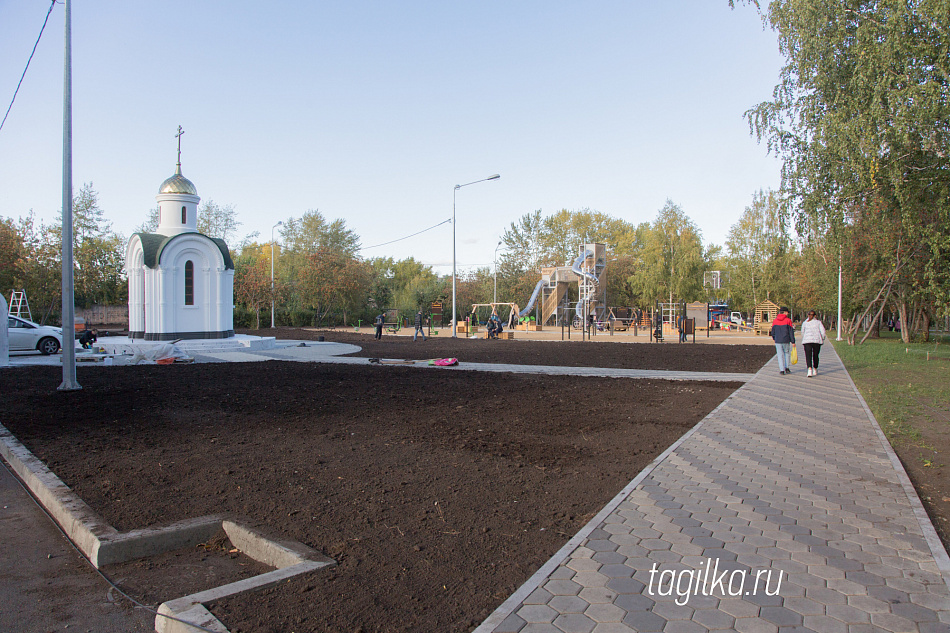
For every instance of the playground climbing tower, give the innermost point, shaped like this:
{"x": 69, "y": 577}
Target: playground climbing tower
{"x": 592, "y": 293}
{"x": 587, "y": 271}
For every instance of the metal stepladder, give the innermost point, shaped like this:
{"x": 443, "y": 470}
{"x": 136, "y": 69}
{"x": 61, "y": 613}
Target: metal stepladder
{"x": 19, "y": 306}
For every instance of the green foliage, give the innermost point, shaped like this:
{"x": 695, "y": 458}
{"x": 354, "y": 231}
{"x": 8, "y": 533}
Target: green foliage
{"x": 760, "y": 255}
{"x": 861, "y": 119}
{"x": 218, "y": 221}
{"x": 311, "y": 233}
{"x": 335, "y": 283}
{"x": 12, "y": 255}
{"x": 98, "y": 257}
{"x": 534, "y": 241}
{"x": 253, "y": 287}
{"x": 151, "y": 224}
{"x": 620, "y": 290}
{"x": 672, "y": 261}
{"x": 246, "y": 318}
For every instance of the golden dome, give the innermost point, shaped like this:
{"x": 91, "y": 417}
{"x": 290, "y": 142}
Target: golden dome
{"x": 178, "y": 184}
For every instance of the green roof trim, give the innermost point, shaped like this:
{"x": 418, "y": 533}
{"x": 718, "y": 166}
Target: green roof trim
{"x": 154, "y": 243}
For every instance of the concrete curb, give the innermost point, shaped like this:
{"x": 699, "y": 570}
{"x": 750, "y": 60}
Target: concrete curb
{"x": 290, "y": 558}
{"x": 102, "y": 544}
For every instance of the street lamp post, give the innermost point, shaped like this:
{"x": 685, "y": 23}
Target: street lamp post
{"x": 495, "y": 295}
{"x": 272, "y": 272}
{"x": 454, "y": 312}
{"x": 68, "y": 288}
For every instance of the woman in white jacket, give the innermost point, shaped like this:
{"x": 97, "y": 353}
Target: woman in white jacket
{"x": 813, "y": 335}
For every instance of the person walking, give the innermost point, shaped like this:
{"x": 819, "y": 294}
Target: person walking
{"x": 419, "y": 321}
{"x": 783, "y": 333}
{"x": 380, "y": 321}
{"x": 813, "y": 335}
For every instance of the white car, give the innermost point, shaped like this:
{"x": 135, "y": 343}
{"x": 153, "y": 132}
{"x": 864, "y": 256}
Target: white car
{"x": 26, "y": 336}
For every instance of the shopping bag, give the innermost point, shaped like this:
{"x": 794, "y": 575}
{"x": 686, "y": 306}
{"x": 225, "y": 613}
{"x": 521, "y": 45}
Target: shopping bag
{"x": 794, "y": 355}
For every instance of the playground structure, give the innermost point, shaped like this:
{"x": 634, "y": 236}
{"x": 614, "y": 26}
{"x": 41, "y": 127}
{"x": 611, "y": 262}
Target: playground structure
{"x": 587, "y": 271}
{"x": 510, "y": 321}
{"x": 762, "y": 316}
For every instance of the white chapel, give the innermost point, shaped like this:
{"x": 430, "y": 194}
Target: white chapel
{"x": 181, "y": 283}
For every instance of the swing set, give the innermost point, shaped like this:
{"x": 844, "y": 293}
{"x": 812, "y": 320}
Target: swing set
{"x": 511, "y": 320}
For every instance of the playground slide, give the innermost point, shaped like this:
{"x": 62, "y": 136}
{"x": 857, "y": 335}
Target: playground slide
{"x": 534, "y": 297}
{"x": 579, "y": 308}
{"x": 576, "y": 267}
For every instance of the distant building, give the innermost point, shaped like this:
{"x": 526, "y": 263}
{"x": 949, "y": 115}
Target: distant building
{"x": 181, "y": 283}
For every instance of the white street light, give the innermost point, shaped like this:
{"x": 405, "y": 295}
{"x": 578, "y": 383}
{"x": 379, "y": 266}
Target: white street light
{"x": 495, "y": 295}
{"x": 272, "y": 272}
{"x": 457, "y": 187}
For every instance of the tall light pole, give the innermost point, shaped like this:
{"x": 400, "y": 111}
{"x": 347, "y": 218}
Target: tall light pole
{"x": 457, "y": 187}
{"x": 69, "y": 306}
{"x": 838, "y": 333}
{"x": 272, "y": 272}
{"x": 495, "y": 295}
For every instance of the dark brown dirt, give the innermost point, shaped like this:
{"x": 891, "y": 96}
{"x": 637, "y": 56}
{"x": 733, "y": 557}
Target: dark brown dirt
{"x": 193, "y": 569}
{"x": 438, "y": 493}
{"x": 669, "y": 356}
{"x": 924, "y": 458}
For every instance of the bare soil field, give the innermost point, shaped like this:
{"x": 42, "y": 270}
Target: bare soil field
{"x": 437, "y": 493}
{"x": 575, "y": 353}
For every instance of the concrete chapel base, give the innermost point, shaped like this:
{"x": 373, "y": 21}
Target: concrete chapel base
{"x": 236, "y": 343}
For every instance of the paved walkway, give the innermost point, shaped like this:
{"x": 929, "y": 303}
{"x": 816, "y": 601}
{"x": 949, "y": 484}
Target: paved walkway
{"x": 788, "y": 480}
{"x": 45, "y": 585}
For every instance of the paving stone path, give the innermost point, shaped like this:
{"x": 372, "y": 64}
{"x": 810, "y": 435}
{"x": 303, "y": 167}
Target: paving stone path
{"x": 784, "y": 510}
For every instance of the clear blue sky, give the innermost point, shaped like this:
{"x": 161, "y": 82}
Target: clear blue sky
{"x": 373, "y": 111}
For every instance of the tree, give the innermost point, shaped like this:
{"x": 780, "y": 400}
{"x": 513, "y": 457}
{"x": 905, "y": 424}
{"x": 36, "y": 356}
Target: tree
{"x": 151, "y": 224}
{"x": 42, "y": 268}
{"x": 759, "y": 254}
{"x": 252, "y": 279}
{"x": 534, "y": 241}
{"x": 620, "y": 291}
{"x": 303, "y": 238}
{"x": 218, "y": 221}
{"x": 381, "y": 285}
{"x": 35, "y": 259}
{"x": 414, "y": 285}
{"x": 333, "y": 281}
{"x": 311, "y": 233}
{"x": 98, "y": 253}
{"x": 861, "y": 119}
{"x": 12, "y": 255}
{"x": 672, "y": 260}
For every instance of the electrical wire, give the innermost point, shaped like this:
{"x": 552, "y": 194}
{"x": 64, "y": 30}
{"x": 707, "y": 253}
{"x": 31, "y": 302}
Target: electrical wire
{"x": 366, "y": 248}
{"x": 52, "y": 4}
{"x": 137, "y": 604}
